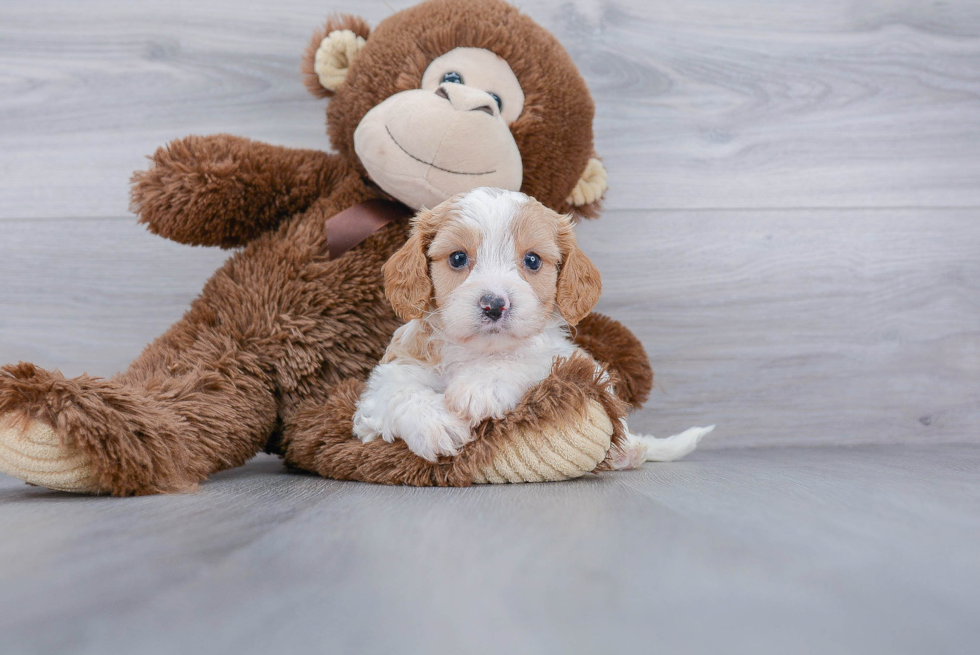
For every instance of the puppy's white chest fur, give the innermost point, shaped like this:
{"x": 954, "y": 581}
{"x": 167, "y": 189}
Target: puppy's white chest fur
{"x": 480, "y": 385}
{"x": 431, "y": 393}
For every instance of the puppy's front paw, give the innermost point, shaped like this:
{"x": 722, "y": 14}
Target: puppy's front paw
{"x": 368, "y": 425}
{"x": 434, "y": 432}
{"x": 476, "y": 402}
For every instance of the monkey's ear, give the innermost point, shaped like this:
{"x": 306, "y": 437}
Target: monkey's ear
{"x": 331, "y": 51}
{"x": 579, "y": 282}
{"x": 407, "y": 283}
{"x": 586, "y": 197}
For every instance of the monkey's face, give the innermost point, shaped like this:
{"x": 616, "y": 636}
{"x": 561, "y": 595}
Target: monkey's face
{"x": 427, "y": 144}
{"x": 451, "y": 95}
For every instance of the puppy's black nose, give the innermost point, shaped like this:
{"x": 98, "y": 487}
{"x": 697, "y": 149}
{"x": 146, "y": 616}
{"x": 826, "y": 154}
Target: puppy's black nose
{"x": 493, "y": 306}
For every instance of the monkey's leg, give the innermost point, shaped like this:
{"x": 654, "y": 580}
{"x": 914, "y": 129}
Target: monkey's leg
{"x": 275, "y": 324}
{"x": 146, "y": 431}
{"x": 200, "y": 398}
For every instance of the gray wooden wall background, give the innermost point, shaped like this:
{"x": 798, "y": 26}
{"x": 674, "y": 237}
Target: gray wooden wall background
{"x": 792, "y": 224}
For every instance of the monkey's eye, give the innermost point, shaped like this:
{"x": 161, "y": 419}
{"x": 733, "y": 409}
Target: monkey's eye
{"x": 496, "y": 98}
{"x": 458, "y": 259}
{"x": 452, "y": 77}
{"x": 532, "y": 261}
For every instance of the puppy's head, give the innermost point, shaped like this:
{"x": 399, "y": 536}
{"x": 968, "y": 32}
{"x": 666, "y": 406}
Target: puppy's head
{"x": 493, "y": 267}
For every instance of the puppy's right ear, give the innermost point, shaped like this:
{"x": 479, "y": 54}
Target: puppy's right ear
{"x": 407, "y": 283}
{"x": 331, "y": 52}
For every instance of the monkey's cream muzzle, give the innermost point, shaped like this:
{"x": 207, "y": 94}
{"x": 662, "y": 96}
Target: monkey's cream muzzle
{"x": 425, "y": 145}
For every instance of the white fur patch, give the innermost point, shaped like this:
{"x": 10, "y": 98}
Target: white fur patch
{"x": 647, "y": 448}
{"x": 482, "y": 367}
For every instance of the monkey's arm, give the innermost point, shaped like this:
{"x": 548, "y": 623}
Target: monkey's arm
{"x": 611, "y": 343}
{"x": 225, "y": 190}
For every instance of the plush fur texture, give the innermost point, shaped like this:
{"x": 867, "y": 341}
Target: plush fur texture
{"x": 617, "y": 347}
{"x": 319, "y": 440}
{"x": 338, "y": 22}
{"x": 226, "y": 190}
{"x": 281, "y": 335}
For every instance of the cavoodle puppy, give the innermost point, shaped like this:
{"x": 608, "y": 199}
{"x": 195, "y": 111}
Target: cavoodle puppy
{"x": 489, "y": 282}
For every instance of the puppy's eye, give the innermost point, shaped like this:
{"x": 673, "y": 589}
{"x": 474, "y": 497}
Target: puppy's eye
{"x": 452, "y": 77}
{"x": 496, "y": 98}
{"x": 458, "y": 259}
{"x": 532, "y": 261}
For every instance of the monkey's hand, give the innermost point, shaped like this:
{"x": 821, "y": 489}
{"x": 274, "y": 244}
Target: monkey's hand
{"x": 224, "y": 190}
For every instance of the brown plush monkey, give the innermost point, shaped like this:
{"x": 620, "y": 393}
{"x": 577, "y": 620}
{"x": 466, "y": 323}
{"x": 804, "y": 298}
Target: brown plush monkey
{"x": 440, "y": 98}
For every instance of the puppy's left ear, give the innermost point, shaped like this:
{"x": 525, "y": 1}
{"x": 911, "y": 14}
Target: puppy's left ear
{"x": 579, "y": 282}
{"x": 407, "y": 284}
{"x": 331, "y": 52}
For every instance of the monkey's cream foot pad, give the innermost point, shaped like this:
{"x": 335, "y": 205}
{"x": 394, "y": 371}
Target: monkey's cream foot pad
{"x": 32, "y": 451}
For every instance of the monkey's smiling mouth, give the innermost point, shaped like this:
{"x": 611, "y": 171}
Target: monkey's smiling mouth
{"x": 429, "y": 163}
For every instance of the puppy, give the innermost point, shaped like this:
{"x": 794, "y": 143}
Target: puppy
{"x": 489, "y": 283}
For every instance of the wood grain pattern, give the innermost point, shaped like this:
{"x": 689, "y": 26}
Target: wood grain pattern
{"x": 700, "y": 104}
{"x": 782, "y": 327}
{"x": 801, "y": 327}
{"x": 827, "y": 550}
{"x": 88, "y": 295}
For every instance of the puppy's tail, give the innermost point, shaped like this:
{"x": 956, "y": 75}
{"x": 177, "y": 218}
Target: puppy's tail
{"x": 671, "y": 448}
{"x": 639, "y": 448}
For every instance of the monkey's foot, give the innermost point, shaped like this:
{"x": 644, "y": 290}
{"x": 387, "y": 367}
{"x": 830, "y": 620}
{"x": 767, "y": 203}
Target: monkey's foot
{"x": 32, "y": 451}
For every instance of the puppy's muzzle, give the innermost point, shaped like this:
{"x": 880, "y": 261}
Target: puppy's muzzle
{"x": 493, "y": 306}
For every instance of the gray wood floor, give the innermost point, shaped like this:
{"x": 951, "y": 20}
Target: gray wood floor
{"x": 792, "y": 229}
{"x": 868, "y": 549}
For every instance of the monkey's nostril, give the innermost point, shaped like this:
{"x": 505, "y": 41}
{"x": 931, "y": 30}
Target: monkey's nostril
{"x": 441, "y": 92}
{"x": 487, "y": 108}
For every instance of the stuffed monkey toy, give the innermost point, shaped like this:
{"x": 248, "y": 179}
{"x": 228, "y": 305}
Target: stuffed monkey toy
{"x": 440, "y": 98}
